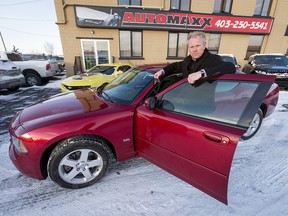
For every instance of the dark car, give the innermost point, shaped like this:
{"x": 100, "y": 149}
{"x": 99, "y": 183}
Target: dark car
{"x": 191, "y": 131}
{"x": 269, "y": 64}
{"x": 230, "y": 58}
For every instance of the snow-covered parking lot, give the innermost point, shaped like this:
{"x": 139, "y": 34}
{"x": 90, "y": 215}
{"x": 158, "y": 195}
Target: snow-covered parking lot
{"x": 258, "y": 183}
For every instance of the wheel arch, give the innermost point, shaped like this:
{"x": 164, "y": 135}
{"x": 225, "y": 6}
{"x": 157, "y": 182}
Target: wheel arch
{"x": 30, "y": 71}
{"x": 48, "y": 151}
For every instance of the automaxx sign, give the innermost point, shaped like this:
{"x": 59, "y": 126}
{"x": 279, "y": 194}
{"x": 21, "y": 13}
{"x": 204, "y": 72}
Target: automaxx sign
{"x": 132, "y": 18}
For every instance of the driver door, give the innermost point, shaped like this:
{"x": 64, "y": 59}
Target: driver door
{"x": 193, "y": 131}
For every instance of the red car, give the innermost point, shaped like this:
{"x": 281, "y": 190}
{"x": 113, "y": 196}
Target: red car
{"x": 189, "y": 130}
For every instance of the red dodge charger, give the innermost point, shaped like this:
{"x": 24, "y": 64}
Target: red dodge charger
{"x": 188, "y": 130}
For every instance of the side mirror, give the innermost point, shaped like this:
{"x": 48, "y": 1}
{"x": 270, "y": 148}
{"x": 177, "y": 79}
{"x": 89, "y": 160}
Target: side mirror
{"x": 150, "y": 103}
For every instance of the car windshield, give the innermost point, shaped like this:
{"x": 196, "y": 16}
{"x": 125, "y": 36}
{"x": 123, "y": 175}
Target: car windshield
{"x": 229, "y": 59}
{"x": 125, "y": 88}
{"x": 272, "y": 60}
{"x": 108, "y": 70}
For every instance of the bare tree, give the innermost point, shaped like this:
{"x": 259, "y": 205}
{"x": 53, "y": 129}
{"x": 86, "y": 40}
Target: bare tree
{"x": 49, "y": 48}
{"x": 15, "y": 49}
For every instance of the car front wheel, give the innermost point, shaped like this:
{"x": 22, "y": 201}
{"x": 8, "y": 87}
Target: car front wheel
{"x": 79, "y": 162}
{"x": 254, "y": 126}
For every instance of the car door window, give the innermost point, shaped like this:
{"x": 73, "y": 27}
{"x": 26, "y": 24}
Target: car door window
{"x": 220, "y": 100}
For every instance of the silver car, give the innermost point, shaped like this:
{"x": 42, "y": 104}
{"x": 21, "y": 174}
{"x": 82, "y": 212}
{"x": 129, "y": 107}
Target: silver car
{"x": 11, "y": 77}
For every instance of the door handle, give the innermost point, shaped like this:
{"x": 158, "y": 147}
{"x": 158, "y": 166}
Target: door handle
{"x": 220, "y": 139}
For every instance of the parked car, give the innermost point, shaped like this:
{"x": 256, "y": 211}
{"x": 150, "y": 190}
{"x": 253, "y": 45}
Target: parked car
{"x": 188, "y": 130}
{"x": 269, "y": 64}
{"x": 11, "y": 77}
{"x": 230, "y": 58}
{"x": 36, "y": 72}
{"x": 60, "y": 61}
{"x": 94, "y": 77}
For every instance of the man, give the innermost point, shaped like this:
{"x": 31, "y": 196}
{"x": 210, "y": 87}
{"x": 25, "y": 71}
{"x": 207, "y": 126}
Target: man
{"x": 200, "y": 63}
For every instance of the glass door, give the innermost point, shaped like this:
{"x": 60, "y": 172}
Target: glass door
{"x": 95, "y": 52}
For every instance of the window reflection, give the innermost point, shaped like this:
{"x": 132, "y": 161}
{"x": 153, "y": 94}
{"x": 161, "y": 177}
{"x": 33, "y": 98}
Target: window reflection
{"x": 222, "y": 6}
{"x": 221, "y": 100}
{"x": 214, "y": 43}
{"x": 180, "y": 5}
{"x": 129, "y": 2}
{"x": 262, "y": 7}
{"x": 254, "y": 46}
{"x": 177, "y": 45}
{"x": 130, "y": 44}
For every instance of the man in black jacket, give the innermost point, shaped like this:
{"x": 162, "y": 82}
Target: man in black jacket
{"x": 200, "y": 63}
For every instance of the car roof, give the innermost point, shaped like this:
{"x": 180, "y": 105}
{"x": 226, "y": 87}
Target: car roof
{"x": 228, "y": 55}
{"x": 269, "y": 54}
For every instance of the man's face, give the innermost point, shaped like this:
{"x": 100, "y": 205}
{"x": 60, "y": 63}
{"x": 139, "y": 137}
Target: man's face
{"x": 196, "y": 47}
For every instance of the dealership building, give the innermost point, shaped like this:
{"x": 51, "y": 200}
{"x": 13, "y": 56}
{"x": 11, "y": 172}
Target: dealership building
{"x": 155, "y": 31}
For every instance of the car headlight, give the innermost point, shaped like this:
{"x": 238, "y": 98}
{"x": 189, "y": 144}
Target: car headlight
{"x": 260, "y": 72}
{"x": 19, "y": 145}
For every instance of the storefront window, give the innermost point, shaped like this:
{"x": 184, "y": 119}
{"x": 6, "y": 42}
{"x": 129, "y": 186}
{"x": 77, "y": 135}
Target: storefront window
{"x": 222, "y": 6}
{"x": 129, "y": 2}
{"x": 180, "y": 5}
{"x": 262, "y": 7}
{"x": 214, "y": 43}
{"x": 254, "y": 46}
{"x": 177, "y": 45}
{"x": 130, "y": 44}
{"x": 95, "y": 52}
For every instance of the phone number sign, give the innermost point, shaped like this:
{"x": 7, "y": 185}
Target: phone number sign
{"x": 241, "y": 24}
{"x": 134, "y": 18}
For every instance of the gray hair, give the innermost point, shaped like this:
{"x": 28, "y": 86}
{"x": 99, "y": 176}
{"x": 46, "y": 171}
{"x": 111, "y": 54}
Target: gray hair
{"x": 196, "y": 34}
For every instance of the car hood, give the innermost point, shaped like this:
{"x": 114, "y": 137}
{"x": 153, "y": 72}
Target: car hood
{"x": 272, "y": 67}
{"x": 63, "y": 107}
{"x": 85, "y": 80}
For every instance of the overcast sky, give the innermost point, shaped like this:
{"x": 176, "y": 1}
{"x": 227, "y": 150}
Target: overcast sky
{"x": 29, "y": 25}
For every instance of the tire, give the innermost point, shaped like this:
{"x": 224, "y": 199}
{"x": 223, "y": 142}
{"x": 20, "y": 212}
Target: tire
{"x": 79, "y": 162}
{"x": 33, "y": 79}
{"x": 254, "y": 126}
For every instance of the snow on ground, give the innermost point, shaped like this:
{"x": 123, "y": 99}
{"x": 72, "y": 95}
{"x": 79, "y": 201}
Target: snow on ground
{"x": 258, "y": 183}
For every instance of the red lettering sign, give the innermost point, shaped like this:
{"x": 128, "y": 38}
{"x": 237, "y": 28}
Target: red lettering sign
{"x": 132, "y": 18}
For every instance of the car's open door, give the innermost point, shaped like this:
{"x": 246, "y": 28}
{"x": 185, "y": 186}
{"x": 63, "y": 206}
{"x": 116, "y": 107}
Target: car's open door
{"x": 192, "y": 131}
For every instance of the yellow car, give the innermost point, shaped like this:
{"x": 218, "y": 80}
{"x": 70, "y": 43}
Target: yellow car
{"x": 94, "y": 77}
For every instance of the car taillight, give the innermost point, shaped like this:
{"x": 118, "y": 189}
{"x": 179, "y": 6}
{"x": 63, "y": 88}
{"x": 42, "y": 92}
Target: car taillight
{"x": 48, "y": 66}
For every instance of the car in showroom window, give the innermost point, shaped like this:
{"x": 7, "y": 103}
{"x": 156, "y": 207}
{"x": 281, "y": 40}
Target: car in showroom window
{"x": 193, "y": 137}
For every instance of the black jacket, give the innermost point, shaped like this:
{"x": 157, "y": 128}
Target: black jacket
{"x": 211, "y": 63}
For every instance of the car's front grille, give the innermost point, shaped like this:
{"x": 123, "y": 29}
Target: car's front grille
{"x": 72, "y": 88}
